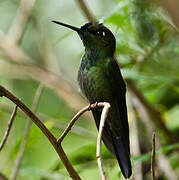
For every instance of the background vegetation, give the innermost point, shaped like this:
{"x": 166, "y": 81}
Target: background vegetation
{"x": 34, "y": 51}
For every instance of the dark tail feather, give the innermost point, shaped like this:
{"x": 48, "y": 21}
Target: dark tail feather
{"x": 122, "y": 156}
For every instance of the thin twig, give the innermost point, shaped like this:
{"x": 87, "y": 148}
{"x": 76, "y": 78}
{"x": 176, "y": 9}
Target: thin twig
{"x": 45, "y": 131}
{"x": 105, "y": 110}
{"x": 153, "y": 157}
{"x": 71, "y": 123}
{"x": 20, "y": 155}
{"x": 6, "y": 134}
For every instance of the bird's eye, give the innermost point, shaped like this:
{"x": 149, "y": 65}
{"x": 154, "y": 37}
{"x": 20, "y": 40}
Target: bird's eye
{"x": 100, "y": 33}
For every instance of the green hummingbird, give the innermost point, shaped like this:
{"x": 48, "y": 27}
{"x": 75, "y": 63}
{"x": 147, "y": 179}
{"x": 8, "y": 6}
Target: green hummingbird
{"x": 100, "y": 80}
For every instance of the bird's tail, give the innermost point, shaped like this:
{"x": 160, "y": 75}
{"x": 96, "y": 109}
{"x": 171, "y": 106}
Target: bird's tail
{"x": 123, "y": 156}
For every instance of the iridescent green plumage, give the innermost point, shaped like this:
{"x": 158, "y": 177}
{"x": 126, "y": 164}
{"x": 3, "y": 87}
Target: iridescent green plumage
{"x": 100, "y": 80}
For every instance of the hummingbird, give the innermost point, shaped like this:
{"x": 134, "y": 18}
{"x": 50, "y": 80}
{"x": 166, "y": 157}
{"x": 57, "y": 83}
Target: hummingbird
{"x": 100, "y": 80}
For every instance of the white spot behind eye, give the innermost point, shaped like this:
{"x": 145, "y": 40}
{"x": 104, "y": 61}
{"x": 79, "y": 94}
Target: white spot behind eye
{"x": 103, "y": 33}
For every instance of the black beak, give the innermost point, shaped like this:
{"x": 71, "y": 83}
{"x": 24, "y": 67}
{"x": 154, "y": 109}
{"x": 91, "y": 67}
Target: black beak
{"x": 78, "y": 30}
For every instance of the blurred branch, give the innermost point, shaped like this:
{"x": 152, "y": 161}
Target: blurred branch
{"x": 155, "y": 116}
{"x": 172, "y": 8}
{"x": 144, "y": 116}
{"x": 165, "y": 166}
{"x": 48, "y": 57}
{"x": 13, "y": 51}
{"x": 135, "y": 142}
{"x": 50, "y": 79}
{"x": 55, "y": 82}
{"x": 23, "y": 13}
{"x": 63, "y": 89}
{"x": 105, "y": 110}
{"x": 153, "y": 157}
{"x": 20, "y": 155}
{"x": 42, "y": 127}
{"x": 6, "y": 134}
{"x": 86, "y": 11}
{"x": 55, "y": 122}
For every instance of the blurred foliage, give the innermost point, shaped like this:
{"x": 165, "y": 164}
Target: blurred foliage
{"x": 147, "y": 49}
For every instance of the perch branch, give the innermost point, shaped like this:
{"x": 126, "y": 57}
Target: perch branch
{"x": 153, "y": 157}
{"x": 105, "y": 110}
{"x": 6, "y": 134}
{"x": 45, "y": 131}
{"x": 71, "y": 123}
{"x": 106, "y": 107}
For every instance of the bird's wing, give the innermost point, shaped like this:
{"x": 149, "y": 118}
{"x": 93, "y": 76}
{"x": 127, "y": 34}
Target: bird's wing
{"x": 118, "y": 89}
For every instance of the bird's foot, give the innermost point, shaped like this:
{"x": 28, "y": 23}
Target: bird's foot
{"x": 92, "y": 106}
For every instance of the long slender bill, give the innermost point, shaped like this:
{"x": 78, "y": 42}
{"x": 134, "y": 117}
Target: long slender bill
{"x": 68, "y": 26}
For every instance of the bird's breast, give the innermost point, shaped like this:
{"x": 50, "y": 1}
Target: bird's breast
{"x": 94, "y": 84}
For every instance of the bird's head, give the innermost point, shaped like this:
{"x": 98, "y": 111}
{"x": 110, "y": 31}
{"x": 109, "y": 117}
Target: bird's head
{"x": 95, "y": 37}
